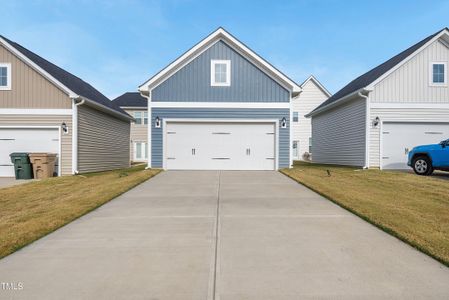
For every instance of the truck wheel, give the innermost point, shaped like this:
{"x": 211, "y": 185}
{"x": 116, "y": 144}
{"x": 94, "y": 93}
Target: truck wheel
{"x": 422, "y": 166}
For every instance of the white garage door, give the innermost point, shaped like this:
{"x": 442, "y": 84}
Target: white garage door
{"x": 400, "y": 138}
{"x": 220, "y": 146}
{"x": 25, "y": 140}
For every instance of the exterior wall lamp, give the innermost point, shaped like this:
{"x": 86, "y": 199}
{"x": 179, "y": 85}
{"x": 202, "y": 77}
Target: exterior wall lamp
{"x": 284, "y": 123}
{"x": 65, "y": 128}
{"x": 157, "y": 122}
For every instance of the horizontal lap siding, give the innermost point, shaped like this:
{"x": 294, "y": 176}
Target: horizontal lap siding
{"x": 339, "y": 135}
{"x": 47, "y": 120}
{"x": 404, "y": 115}
{"x": 192, "y": 83}
{"x": 103, "y": 141}
{"x": 209, "y": 113}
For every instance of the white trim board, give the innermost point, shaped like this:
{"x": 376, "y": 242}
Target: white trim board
{"x": 33, "y": 111}
{"x": 320, "y": 86}
{"x": 220, "y": 104}
{"x": 218, "y": 120}
{"x": 380, "y": 105}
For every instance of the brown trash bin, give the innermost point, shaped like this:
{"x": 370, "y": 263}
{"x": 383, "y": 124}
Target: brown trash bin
{"x": 43, "y": 164}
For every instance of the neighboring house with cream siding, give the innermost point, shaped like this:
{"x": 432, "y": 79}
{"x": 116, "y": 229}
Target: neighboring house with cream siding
{"x": 136, "y": 106}
{"x": 376, "y": 119}
{"x": 313, "y": 94}
{"x": 44, "y": 108}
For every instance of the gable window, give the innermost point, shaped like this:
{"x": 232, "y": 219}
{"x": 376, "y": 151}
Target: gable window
{"x": 138, "y": 117}
{"x": 5, "y": 76}
{"x": 438, "y": 74}
{"x": 220, "y": 73}
{"x": 295, "y": 116}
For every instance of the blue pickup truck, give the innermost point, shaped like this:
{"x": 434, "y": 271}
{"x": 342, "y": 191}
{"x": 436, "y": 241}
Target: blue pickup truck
{"x": 427, "y": 158}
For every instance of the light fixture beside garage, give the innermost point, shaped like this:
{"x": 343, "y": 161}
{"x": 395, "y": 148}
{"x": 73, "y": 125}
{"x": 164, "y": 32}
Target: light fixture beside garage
{"x": 157, "y": 123}
{"x": 376, "y": 122}
{"x": 284, "y": 123}
{"x": 65, "y": 128}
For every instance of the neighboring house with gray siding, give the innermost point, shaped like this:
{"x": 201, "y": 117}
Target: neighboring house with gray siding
{"x": 136, "y": 106}
{"x": 44, "y": 108}
{"x": 220, "y": 106}
{"x": 377, "y": 118}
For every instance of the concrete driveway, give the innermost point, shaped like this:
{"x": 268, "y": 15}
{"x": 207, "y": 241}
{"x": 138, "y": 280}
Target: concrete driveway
{"x": 273, "y": 239}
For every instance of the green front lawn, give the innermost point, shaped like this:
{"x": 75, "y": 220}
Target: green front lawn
{"x": 32, "y": 210}
{"x": 412, "y": 208}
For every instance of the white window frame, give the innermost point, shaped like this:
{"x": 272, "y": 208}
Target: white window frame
{"x": 297, "y": 116}
{"x": 145, "y": 118}
{"x": 141, "y": 117}
{"x": 297, "y": 149}
{"x": 213, "y": 63}
{"x": 143, "y": 151}
{"x": 7, "y": 87}
{"x": 431, "y": 83}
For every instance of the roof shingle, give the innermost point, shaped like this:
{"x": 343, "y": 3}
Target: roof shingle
{"x": 131, "y": 99}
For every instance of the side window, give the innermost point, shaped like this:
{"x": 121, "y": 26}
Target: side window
{"x": 295, "y": 116}
{"x": 5, "y": 76}
{"x": 145, "y": 117}
{"x": 138, "y": 150}
{"x": 138, "y": 117}
{"x": 438, "y": 74}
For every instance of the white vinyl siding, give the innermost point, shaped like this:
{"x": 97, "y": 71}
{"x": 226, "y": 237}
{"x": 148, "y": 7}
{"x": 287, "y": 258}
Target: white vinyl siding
{"x": 411, "y": 83}
{"x": 339, "y": 135}
{"x": 436, "y": 115}
{"x": 310, "y": 97}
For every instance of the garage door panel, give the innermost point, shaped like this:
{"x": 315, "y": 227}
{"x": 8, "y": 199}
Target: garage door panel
{"x": 220, "y": 146}
{"x": 25, "y": 140}
{"x": 399, "y": 138}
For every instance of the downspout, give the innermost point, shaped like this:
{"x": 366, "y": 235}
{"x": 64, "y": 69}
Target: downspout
{"x": 75, "y": 134}
{"x": 367, "y": 122}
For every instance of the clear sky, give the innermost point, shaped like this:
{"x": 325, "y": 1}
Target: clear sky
{"x": 117, "y": 45}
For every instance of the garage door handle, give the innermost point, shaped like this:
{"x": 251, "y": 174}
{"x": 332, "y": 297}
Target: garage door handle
{"x": 248, "y": 151}
{"x": 221, "y": 158}
{"x": 171, "y": 158}
{"x": 193, "y": 151}
{"x": 7, "y": 139}
{"x": 385, "y": 157}
{"x": 272, "y": 158}
{"x": 6, "y": 165}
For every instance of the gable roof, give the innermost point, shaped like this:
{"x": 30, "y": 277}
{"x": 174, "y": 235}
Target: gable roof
{"x": 131, "y": 99}
{"x": 69, "y": 83}
{"x": 378, "y": 73}
{"x": 219, "y": 34}
{"x": 317, "y": 83}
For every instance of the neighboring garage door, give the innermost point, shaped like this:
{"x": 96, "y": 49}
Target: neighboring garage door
{"x": 220, "y": 146}
{"x": 25, "y": 140}
{"x": 399, "y": 138}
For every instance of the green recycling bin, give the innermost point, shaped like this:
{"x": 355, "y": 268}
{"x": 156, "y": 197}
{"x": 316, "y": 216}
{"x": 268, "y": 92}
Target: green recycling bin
{"x": 22, "y": 166}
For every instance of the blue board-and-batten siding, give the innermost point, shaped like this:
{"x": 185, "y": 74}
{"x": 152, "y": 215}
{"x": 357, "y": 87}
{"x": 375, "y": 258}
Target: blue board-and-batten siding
{"x": 219, "y": 113}
{"x": 192, "y": 82}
